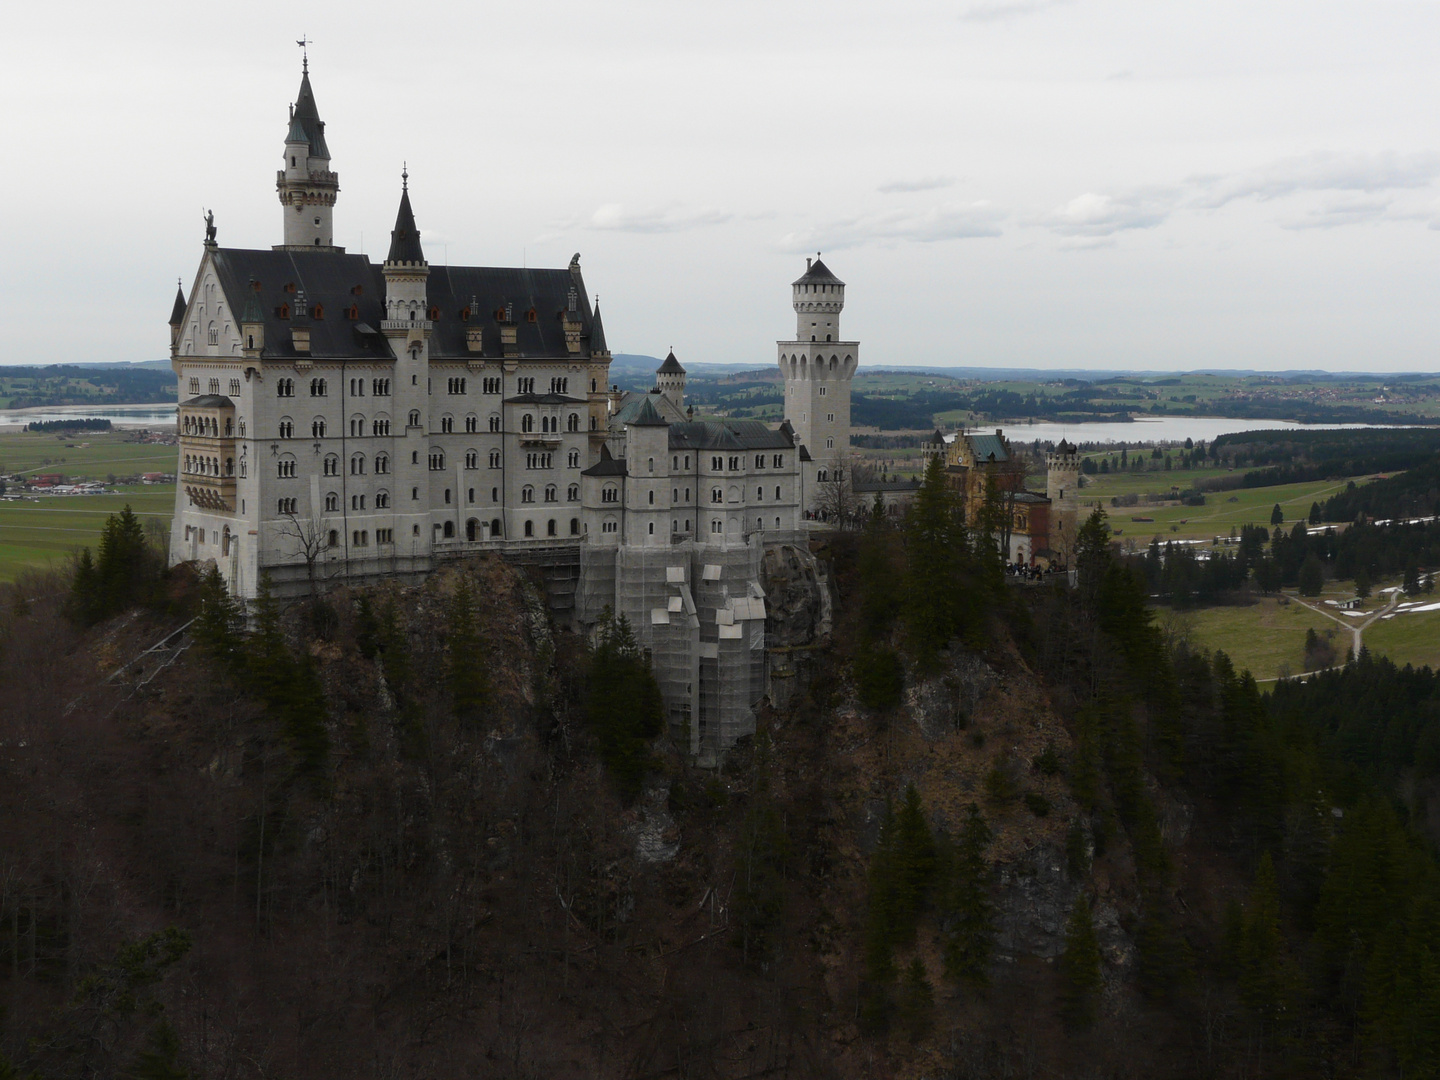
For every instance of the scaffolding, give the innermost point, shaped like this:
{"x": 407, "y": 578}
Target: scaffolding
{"x": 699, "y": 611}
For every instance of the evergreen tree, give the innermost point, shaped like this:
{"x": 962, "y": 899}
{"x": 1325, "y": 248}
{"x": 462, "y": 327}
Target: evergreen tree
{"x": 1080, "y": 978}
{"x": 1315, "y": 517}
{"x": 1312, "y": 577}
{"x": 158, "y": 1059}
{"x": 622, "y": 703}
{"x": 1277, "y": 516}
{"x": 219, "y": 627}
{"x": 1362, "y": 584}
{"x": 1264, "y": 986}
{"x": 85, "y": 600}
{"x": 967, "y": 913}
{"x": 465, "y": 667}
{"x": 934, "y": 545}
{"x": 917, "y": 1001}
{"x": 1412, "y": 578}
{"x": 764, "y": 849}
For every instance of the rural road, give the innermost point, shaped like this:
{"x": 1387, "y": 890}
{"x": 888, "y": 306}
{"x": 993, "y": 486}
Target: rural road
{"x": 1355, "y": 629}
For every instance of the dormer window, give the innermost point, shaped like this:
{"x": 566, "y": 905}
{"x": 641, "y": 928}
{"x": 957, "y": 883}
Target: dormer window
{"x": 352, "y": 312}
{"x": 358, "y": 290}
{"x": 284, "y": 311}
{"x": 318, "y": 311}
{"x": 465, "y": 314}
{"x": 532, "y": 315}
{"x": 433, "y": 314}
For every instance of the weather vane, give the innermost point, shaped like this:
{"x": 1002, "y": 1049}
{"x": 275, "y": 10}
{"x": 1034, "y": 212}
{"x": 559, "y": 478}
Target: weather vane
{"x": 304, "y": 44}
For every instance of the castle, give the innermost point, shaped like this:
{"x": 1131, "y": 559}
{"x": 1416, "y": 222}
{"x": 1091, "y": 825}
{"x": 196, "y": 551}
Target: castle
{"x": 345, "y": 421}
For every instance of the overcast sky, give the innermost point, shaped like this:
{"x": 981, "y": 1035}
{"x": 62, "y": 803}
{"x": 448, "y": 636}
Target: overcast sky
{"x": 1037, "y": 183}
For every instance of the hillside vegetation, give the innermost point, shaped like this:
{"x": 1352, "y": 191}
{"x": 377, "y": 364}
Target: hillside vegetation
{"x": 995, "y": 831}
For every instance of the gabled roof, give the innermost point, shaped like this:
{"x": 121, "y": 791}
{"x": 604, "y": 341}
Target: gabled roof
{"x": 817, "y": 274}
{"x": 607, "y": 465}
{"x": 938, "y": 437}
{"x": 544, "y": 399}
{"x": 208, "y": 401}
{"x": 1064, "y": 448}
{"x": 986, "y": 447}
{"x": 646, "y": 416}
{"x": 729, "y": 435}
{"x": 671, "y": 366}
{"x": 405, "y": 237}
{"x": 177, "y": 313}
{"x": 465, "y": 298}
{"x": 632, "y": 400}
{"x": 869, "y": 487}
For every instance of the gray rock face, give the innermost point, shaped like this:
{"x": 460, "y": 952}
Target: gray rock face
{"x": 797, "y": 597}
{"x": 657, "y": 840}
{"x": 1033, "y": 905}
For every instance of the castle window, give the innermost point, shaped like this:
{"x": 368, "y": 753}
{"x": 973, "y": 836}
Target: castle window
{"x": 195, "y": 386}
{"x": 380, "y": 427}
{"x": 455, "y": 385}
{"x": 526, "y": 385}
{"x": 437, "y": 460}
{"x": 573, "y": 460}
{"x": 357, "y": 426}
{"x": 573, "y": 424}
{"x": 472, "y": 459}
{"x": 433, "y": 314}
{"x": 357, "y": 387}
{"x": 283, "y": 387}
{"x": 414, "y": 418}
{"x": 550, "y": 527}
{"x": 470, "y": 495}
{"x": 494, "y": 459}
{"x": 215, "y": 386}
{"x": 287, "y": 428}
{"x": 332, "y": 465}
{"x": 382, "y": 499}
{"x": 494, "y": 423}
{"x": 717, "y": 464}
{"x": 829, "y": 444}
{"x": 384, "y": 536}
{"x": 382, "y": 463}
{"x": 447, "y": 496}
{"x": 716, "y": 525}
{"x": 491, "y": 386}
{"x": 610, "y": 494}
{"x": 652, "y": 498}
{"x": 532, "y": 315}
{"x": 357, "y": 465}
{"x": 495, "y": 529}
{"x": 318, "y": 311}
{"x": 380, "y": 387}
{"x": 352, "y": 312}
{"x": 549, "y": 492}
{"x": 716, "y": 495}
{"x": 317, "y": 387}
{"x": 334, "y": 539}
{"x": 777, "y": 499}
{"x": 529, "y": 528}
{"x": 317, "y": 428}
{"x": 572, "y": 493}
{"x": 284, "y": 311}
{"x": 527, "y": 423}
{"x": 759, "y": 494}
{"x": 652, "y": 528}
{"x": 447, "y": 425}
{"x": 286, "y": 506}
{"x": 527, "y": 494}
{"x": 472, "y": 424}
{"x": 779, "y": 461}
{"x": 495, "y": 494}
{"x": 285, "y": 468}
{"x": 465, "y": 314}
{"x": 574, "y": 526}
{"x": 357, "y": 502}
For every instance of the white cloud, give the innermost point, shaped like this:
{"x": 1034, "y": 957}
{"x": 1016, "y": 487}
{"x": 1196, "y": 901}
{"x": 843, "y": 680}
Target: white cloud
{"x": 1345, "y": 212}
{"x": 1325, "y": 171}
{"x": 947, "y": 221}
{"x": 1004, "y": 10}
{"x": 614, "y": 217}
{"x": 903, "y": 187}
{"x": 1095, "y": 215}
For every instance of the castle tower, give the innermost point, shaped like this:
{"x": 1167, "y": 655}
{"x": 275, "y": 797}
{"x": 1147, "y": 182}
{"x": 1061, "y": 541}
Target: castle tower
{"x": 817, "y": 367}
{"x": 1062, "y": 485}
{"x": 407, "y": 325}
{"x": 670, "y": 378}
{"x": 306, "y": 186}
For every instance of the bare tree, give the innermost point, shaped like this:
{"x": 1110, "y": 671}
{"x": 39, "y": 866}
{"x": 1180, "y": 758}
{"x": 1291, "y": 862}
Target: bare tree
{"x": 835, "y": 497}
{"x": 311, "y": 539}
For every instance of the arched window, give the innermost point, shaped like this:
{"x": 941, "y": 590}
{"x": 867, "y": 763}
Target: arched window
{"x": 287, "y": 428}
{"x": 472, "y": 424}
{"x": 357, "y": 426}
{"x": 494, "y": 459}
{"x": 529, "y": 528}
{"x": 527, "y": 494}
{"x": 652, "y": 498}
{"x": 572, "y": 493}
{"x": 549, "y": 492}
{"x": 382, "y": 500}
{"x": 494, "y": 528}
{"x": 574, "y": 526}
{"x": 449, "y": 530}
{"x": 414, "y": 419}
{"x": 382, "y": 463}
{"x": 332, "y": 501}
{"x": 472, "y": 459}
{"x": 447, "y": 425}
{"x": 573, "y": 460}
{"x": 317, "y": 428}
{"x": 550, "y": 527}
{"x": 527, "y": 423}
{"x": 357, "y": 465}
{"x": 574, "y": 422}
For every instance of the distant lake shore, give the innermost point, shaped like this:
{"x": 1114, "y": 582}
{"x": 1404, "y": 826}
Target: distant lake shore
{"x": 157, "y": 414}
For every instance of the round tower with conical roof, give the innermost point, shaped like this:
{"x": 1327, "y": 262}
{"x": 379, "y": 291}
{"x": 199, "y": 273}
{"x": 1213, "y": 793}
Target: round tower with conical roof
{"x": 670, "y": 378}
{"x": 1062, "y": 485}
{"x": 306, "y": 185}
{"x": 817, "y": 367}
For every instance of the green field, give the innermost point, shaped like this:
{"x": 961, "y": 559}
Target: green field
{"x": 41, "y": 531}
{"x": 102, "y": 455}
{"x": 1408, "y": 638}
{"x": 1267, "y": 638}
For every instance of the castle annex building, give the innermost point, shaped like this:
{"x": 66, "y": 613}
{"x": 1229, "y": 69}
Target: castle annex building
{"x": 346, "y": 420}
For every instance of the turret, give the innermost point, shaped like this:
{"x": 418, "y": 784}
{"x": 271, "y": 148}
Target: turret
{"x": 1062, "y": 485}
{"x": 406, "y": 270}
{"x": 306, "y": 186}
{"x": 670, "y": 378}
{"x": 818, "y": 297}
{"x": 177, "y": 319}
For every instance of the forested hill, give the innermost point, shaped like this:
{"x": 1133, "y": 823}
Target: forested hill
{"x": 984, "y": 831}
{"x": 66, "y": 384}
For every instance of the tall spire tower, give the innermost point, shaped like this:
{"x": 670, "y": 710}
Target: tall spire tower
{"x": 306, "y": 186}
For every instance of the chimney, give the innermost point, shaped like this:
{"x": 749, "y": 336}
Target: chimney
{"x": 807, "y": 264}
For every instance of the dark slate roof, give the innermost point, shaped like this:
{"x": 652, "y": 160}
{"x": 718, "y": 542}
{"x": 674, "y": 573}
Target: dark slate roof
{"x": 329, "y": 280}
{"x": 818, "y": 274}
{"x": 405, "y": 237}
{"x": 646, "y": 416}
{"x": 729, "y": 435}
{"x": 984, "y": 446}
{"x": 309, "y": 118}
{"x": 544, "y": 399}
{"x": 607, "y": 465}
{"x": 872, "y": 486}
{"x": 177, "y": 313}
{"x": 805, "y": 453}
{"x": 1031, "y": 497}
{"x": 597, "y": 330}
{"x": 252, "y": 312}
{"x": 671, "y": 366}
{"x": 938, "y": 437}
{"x": 1064, "y": 448}
{"x": 208, "y": 401}
{"x": 452, "y": 289}
{"x": 659, "y": 402}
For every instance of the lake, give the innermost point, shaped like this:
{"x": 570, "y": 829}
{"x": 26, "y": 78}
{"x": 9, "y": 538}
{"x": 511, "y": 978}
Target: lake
{"x": 155, "y": 415}
{"x": 1175, "y": 429}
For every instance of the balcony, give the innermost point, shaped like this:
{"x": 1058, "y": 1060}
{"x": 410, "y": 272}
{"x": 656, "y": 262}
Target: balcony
{"x": 210, "y": 492}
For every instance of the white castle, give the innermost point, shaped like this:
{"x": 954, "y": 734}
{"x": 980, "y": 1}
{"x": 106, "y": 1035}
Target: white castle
{"x": 342, "y": 421}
